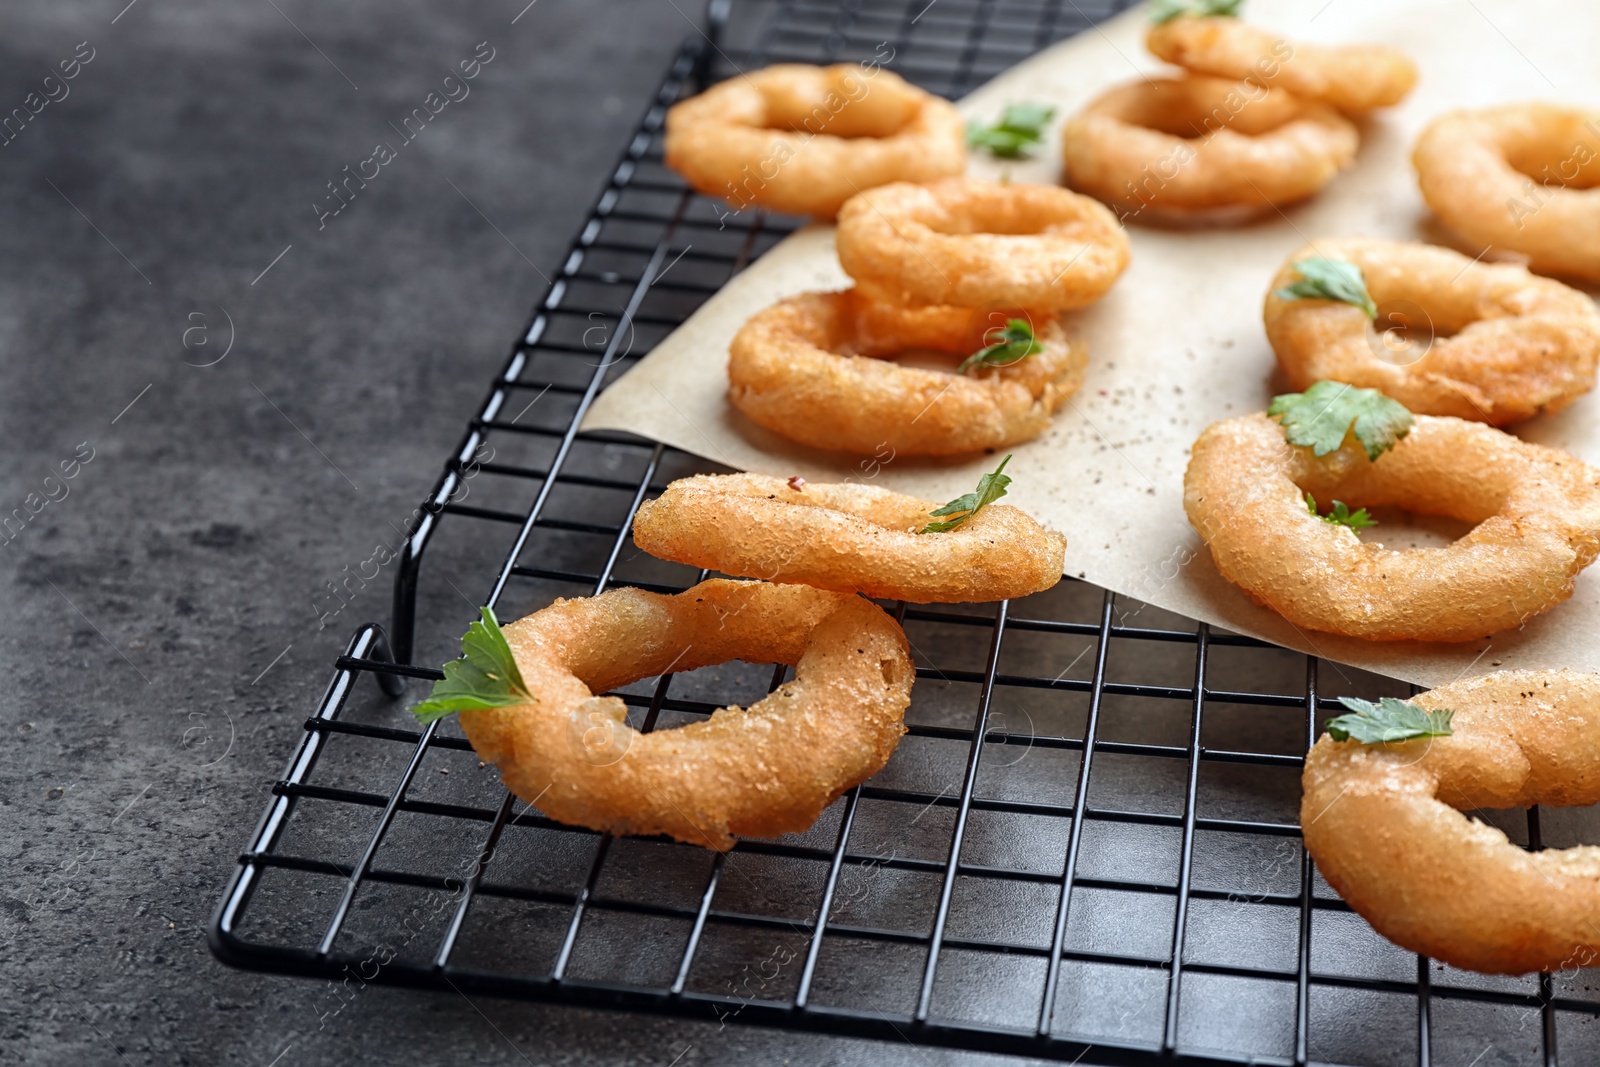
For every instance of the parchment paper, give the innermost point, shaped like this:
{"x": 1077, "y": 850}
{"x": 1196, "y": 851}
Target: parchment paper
{"x": 1178, "y": 343}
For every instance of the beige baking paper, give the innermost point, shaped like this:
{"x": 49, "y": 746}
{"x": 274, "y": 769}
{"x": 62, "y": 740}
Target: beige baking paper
{"x": 1178, "y": 343}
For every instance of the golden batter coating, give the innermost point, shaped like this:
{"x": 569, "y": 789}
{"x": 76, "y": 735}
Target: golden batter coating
{"x": 975, "y": 243}
{"x": 1508, "y": 345}
{"x": 802, "y": 140}
{"x": 1386, "y": 827}
{"x": 1536, "y": 509}
{"x": 1196, "y": 143}
{"x": 760, "y": 771}
{"x": 1521, "y": 178}
{"x": 1351, "y": 77}
{"x": 811, "y": 368}
{"x": 848, "y": 537}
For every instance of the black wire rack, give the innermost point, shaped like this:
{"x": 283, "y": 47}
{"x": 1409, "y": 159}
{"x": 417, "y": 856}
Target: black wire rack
{"x": 1086, "y": 848}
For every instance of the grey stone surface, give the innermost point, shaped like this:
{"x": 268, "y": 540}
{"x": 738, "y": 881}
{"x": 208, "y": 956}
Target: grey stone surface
{"x": 141, "y": 720}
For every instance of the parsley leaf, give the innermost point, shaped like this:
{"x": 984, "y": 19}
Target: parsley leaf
{"x": 1330, "y": 279}
{"x": 1320, "y": 417}
{"x": 991, "y": 487}
{"x": 1167, "y": 10}
{"x": 1387, "y": 720}
{"x": 486, "y": 675}
{"x": 1021, "y": 126}
{"x": 1010, "y": 344}
{"x": 1342, "y": 515}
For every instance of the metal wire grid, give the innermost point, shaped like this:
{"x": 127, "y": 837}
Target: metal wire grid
{"x": 639, "y": 221}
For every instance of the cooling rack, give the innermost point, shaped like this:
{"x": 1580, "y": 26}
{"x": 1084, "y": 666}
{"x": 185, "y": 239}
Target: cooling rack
{"x": 1086, "y": 848}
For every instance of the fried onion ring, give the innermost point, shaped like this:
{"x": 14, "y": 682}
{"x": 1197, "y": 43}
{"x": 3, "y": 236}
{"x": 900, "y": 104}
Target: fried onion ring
{"x": 1536, "y": 510}
{"x": 1384, "y": 823}
{"x": 760, "y": 771}
{"x": 974, "y": 243}
{"x": 1195, "y": 143}
{"x": 802, "y": 140}
{"x": 849, "y": 538}
{"x": 810, "y": 369}
{"x": 884, "y": 325}
{"x": 1519, "y": 177}
{"x": 1351, "y": 77}
{"x": 1507, "y": 345}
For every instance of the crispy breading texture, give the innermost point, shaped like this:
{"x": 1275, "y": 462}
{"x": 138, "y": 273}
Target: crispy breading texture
{"x": 1506, "y": 345}
{"x": 1351, "y": 77}
{"x": 848, "y": 537}
{"x": 760, "y": 771}
{"x": 802, "y": 140}
{"x": 1519, "y": 177}
{"x": 1536, "y": 510}
{"x": 811, "y": 369}
{"x": 1386, "y": 827}
{"x": 975, "y": 243}
{"x": 1171, "y": 146}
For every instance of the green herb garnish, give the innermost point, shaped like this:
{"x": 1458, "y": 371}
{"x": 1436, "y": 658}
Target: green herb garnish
{"x": 991, "y": 487}
{"x": 1387, "y": 720}
{"x": 1342, "y": 515}
{"x": 1320, "y": 417}
{"x": 486, "y": 675}
{"x": 1010, "y": 344}
{"x": 1330, "y": 279}
{"x": 1167, "y": 10}
{"x": 1020, "y": 128}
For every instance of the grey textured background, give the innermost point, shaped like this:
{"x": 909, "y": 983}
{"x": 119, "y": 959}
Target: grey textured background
{"x": 143, "y": 607}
